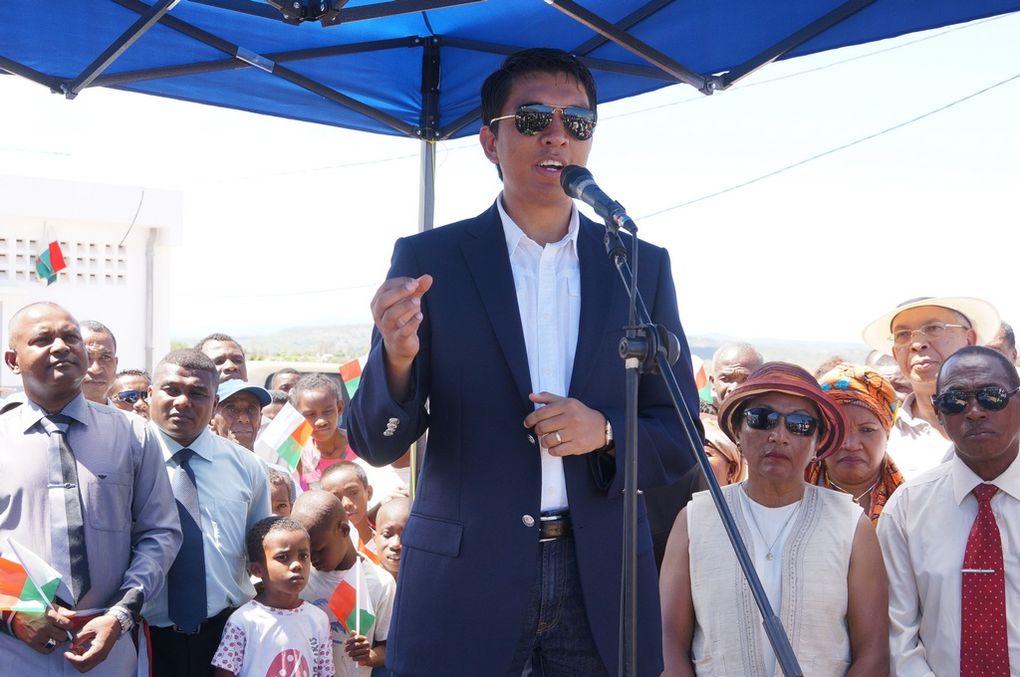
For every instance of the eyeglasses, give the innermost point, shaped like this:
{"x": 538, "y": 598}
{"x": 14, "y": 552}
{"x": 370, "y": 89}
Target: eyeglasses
{"x": 132, "y": 396}
{"x": 933, "y": 330}
{"x": 989, "y": 398}
{"x": 532, "y": 118}
{"x": 763, "y": 418}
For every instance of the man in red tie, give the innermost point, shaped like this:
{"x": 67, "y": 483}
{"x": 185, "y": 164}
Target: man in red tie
{"x": 951, "y": 536}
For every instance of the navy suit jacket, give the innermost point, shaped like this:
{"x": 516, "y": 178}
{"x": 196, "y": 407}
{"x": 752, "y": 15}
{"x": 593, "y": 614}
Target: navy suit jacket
{"x": 470, "y": 547}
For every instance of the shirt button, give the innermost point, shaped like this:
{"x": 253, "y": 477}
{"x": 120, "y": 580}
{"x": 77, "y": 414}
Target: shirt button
{"x": 528, "y": 521}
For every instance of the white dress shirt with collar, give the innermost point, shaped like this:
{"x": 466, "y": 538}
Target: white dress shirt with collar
{"x": 233, "y": 494}
{"x": 548, "y": 283}
{"x": 916, "y": 445}
{"x": 923, "y": 531}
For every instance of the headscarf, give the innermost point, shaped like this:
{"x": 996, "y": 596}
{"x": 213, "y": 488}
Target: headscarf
{"x": 715, "y": 438}
{"x": 863, "y": 386}
{"x": 783, "y": 377}
{"x": 848, "y": 384}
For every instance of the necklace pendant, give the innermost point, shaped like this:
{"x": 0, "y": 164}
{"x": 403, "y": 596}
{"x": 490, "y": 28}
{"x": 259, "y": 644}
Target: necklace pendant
{"x": 768, "y": 556}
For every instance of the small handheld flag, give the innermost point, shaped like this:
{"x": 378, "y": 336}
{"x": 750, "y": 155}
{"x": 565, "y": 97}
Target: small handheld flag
{"x": 701, "y": 379}
{"x": 286, "y": 435}
{"x": 27, "y": 583}
{"x": 351, "y": 604}
{"x": 350, "y": 372}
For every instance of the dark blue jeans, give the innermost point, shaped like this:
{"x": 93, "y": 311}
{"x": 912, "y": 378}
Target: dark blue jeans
{"x": 556, "y": 640}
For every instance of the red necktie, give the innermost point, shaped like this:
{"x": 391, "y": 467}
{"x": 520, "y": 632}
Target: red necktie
{"x": 983, "y": 647}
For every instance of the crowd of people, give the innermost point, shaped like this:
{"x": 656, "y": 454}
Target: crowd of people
{"x": 878, "y": 502}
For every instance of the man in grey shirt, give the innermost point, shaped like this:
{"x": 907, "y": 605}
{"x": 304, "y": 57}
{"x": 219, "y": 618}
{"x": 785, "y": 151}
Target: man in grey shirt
{"x": 83, "y": 487}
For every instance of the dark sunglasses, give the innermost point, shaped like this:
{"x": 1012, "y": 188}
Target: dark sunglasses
{"x": 131, "y": 396}
{"x": 763, "y": 418}
{"x": 532, "y": 118}
{"x": 989, "y": 398}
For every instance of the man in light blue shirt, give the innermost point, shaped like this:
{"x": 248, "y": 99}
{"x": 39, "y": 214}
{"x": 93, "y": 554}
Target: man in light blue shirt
{"x": 221, "y": 491}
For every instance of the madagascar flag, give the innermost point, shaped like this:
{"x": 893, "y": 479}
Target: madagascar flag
{"x": 286, "y": 435}
{"x": 26, "y": 582}
{"x": 701, "y": 379}
{"x": 350, "y": 603}
{"x": 350, "y": 372}
{"x": 49, "y": 263}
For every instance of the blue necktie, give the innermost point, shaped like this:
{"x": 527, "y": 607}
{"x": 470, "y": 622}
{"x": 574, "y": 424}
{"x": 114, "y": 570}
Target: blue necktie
{"x": 68, "y": 535}
{"x": 186, "y": 595}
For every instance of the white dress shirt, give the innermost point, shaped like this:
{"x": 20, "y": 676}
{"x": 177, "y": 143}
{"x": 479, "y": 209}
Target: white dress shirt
{"x": 914, "y": 444}
{"x": 233, "y": 494}
{"x": 548, "y": 283}
{"x": 923, "y": 531}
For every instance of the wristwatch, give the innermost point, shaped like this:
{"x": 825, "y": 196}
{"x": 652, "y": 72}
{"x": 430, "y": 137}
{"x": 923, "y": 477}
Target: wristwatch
{"x": 609, "y": 434}
{"x": 123, "y": 617}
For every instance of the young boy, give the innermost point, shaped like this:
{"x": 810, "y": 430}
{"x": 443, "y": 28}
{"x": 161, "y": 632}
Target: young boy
{"x": 389, "y": 529}
{"x": 282, "y": 492}
{"x": 277, "y": 632}
{"x": 349, "y": 482}
{"x": 336, "y": 563}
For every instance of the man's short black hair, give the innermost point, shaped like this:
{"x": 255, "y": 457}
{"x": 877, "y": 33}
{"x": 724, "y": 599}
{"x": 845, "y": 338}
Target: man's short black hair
{"x": 257, "y": 535}
{"x": 191, "y": 359}
{"x": 1012, "y": 377}
{"x": 223, "y": 338}
{"x": 97, "y": 327}
{"x": 496, "y": 88}
{"x": 135, "y": 372}
{"x": 279, "y": 397}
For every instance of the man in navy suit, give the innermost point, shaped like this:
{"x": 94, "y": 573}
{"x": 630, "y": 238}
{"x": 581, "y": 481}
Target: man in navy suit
{"x": 499, "y": 335}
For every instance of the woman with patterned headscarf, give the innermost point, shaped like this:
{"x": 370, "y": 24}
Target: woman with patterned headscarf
{"x": 814, "y": 550}
{"x": 860, "y": 467}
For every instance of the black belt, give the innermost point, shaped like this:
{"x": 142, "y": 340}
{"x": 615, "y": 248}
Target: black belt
{"x": 221, "y": 616}
{"x": 554, "y": 525}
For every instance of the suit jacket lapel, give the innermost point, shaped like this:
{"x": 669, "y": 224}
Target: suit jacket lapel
{"x": 599, "y": 284}
{"x": 484, "y": 250}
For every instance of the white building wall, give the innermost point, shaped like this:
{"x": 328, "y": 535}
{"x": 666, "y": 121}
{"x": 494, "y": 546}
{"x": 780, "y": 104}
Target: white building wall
{"x": 111, "y": 237}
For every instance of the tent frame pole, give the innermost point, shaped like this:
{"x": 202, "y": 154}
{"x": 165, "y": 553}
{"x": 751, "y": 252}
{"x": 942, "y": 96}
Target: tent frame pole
{"x": 794, "y": 40}
{"x": 147, "y": 20}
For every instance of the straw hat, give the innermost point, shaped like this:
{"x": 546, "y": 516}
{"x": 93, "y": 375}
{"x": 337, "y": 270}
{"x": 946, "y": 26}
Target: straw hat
{"x": 983, "y": 318}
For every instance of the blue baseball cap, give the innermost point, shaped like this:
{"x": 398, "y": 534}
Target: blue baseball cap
{"x": 230, "y": 388}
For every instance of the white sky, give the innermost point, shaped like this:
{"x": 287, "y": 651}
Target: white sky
{"x": 290, "y": 223}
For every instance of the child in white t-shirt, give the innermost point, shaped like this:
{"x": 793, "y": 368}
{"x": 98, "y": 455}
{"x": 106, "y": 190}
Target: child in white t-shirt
{"x": 359, "y": 637}
{"x": 277, "y": 633}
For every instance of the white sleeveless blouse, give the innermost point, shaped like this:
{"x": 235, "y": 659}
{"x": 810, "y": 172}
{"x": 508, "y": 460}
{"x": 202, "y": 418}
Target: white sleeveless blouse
{"x": 813, "y": 560}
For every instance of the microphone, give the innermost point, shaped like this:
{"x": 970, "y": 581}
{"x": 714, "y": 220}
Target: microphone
{"x": 579, "y": 184}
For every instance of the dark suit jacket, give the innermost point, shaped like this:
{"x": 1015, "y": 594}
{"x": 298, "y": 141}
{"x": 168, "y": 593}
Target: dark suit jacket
{"x": 470, "y": 547}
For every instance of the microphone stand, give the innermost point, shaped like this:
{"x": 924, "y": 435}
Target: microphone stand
{"x": 645, "y": 349}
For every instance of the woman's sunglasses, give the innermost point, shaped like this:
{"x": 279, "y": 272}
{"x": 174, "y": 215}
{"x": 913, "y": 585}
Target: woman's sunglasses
{"x": 989, "y": 398}
{"x": 132, "y": 396}
{"x": 763, "y": 418}
{"x": 532, "y": 118}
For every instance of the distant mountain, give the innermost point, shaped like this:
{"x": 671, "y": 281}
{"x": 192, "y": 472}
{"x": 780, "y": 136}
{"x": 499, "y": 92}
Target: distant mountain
{"x": 341, "y": 343}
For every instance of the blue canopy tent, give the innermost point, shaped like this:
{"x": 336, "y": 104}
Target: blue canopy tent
{"x": 414, "y": 67}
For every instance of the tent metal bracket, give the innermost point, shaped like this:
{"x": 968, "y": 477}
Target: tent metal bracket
{"x": 642, "y": 49}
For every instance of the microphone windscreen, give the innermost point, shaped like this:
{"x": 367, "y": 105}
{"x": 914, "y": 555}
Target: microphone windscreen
{"x": 571, "y": 178}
